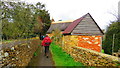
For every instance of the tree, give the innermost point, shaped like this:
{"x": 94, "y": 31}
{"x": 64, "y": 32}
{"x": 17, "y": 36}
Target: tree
{"x": 43, "y": 19}
{"x": 57, "y": 36}
{"x": 112, "y": 29}
{"x": 19, "y": 19}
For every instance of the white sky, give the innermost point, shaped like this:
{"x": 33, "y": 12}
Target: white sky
{"x": 74, "y": 9}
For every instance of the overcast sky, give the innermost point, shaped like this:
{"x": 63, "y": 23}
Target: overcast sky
{"x": 73, "y": 9}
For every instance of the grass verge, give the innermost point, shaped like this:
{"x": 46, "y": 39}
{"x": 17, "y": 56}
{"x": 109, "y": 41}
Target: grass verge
{"x": 61, "y": 58}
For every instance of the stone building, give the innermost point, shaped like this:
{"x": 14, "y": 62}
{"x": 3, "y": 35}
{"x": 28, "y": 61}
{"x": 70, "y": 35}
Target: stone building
{"x": 83, "y": 32}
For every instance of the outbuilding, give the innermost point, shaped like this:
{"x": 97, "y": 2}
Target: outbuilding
{"x": 82, "y": 32}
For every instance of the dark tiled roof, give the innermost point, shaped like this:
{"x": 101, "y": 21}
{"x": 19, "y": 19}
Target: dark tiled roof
{"x": 60, "y": 26}
{"x": 73, "y": 25}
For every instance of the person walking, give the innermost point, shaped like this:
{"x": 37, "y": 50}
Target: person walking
{"x": 46, "y": 43}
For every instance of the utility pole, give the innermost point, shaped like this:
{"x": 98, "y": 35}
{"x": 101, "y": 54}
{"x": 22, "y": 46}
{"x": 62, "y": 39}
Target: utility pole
{"x": 113, "y": 43}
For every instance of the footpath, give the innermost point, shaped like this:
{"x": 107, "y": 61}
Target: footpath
{"x": 40, "y": 60}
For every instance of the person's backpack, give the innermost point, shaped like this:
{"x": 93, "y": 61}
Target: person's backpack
{"x": 47, "y": 41}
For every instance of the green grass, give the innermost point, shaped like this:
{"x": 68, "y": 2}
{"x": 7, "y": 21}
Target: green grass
{"x": 118, "y": 65}
{"x": 103, "y": 51}
{"x": 37, "y": 51}
{"x": 7, "y": 41}
{"x": 61, "y": 58}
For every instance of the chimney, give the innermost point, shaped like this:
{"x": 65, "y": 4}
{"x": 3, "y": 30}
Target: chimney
{"x": 53, "y": 20}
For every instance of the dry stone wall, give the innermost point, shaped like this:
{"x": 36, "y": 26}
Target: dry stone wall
{"x": 86, "y": 56}
{"x": 93, "y": 58}
{"x": 19, "y": 54}
{"x": 68, "y": 42}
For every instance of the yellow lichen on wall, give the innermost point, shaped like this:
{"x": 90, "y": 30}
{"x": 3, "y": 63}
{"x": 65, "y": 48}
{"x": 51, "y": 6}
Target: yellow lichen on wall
{"x": 69, "y": 41}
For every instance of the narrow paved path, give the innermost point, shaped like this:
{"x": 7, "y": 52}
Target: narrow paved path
{"x": 41, "y": 60}
{"x": 45, "y": 61}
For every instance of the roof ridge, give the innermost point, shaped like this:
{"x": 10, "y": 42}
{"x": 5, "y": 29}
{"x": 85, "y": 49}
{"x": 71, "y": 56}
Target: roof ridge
{"x": 67, "y": 21}
{"x": 74, "y": 24}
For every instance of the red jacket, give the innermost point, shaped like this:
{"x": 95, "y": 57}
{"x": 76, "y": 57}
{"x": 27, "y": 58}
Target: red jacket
{"x": 46, "y": 40}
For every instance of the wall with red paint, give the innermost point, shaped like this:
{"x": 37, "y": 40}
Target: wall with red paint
{"x": 90, "y": 42}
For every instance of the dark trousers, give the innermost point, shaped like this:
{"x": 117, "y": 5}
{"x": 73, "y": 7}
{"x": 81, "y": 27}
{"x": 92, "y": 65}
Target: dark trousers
{"x": 46, "y": 50}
